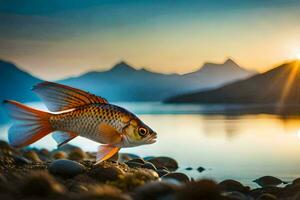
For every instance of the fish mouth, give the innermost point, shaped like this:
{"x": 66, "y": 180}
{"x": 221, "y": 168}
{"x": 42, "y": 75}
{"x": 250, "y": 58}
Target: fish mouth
{"x": 151, "y": 139}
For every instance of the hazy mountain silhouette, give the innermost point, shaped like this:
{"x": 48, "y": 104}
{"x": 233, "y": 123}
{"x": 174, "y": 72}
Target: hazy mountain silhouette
{"x": 125, "y": 83}
{"x": 280, "y": 85}
{"x": 15, "y": 84}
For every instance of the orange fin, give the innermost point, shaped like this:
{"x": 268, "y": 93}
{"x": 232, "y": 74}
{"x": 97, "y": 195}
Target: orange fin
{"x": 59, "y": 97}
{"x": 29, "y": 124}
{"x": 62, "y": 137}
{"x": 109, "y": 134}
{"x": 105, "y": 152}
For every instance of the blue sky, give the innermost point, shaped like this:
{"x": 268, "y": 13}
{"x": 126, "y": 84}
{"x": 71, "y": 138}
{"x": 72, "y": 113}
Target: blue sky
{"x": 166, "y": 36}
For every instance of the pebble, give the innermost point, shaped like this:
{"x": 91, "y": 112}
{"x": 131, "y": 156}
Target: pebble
{"x": 155, "y": 190}
{"x": 40, "y": 184}
{"x": 149, "y": 165}
{"x": 66, "y": 168}
{"x": 19, "y": 160}
{"x": 137, "y": 160}
{"x": 6, "y": 148}
{"x": 126, "y": 157}
{"x": 268, "y": 181}
{"x": 134, "y": 164}
{"x": 183, "y": 178}
{"x": 296, "y": 181}
{"x": 105, "y": 192}
{"x": 148, "y": 158}
{"x": 77, "y": 154}
{"x": 269, "y": 190}
{"x": 105, "y": 172}
{"x": 202, "y": 190}
{"x": 32, "y": 155}
{"x": 232, "y": 185}
{"x": 236, "y": 196}
{"x": 44, "y": 155}
{"x": 200, "y": 169}
{"x": 162, "y": 172}
{"x": 59, "y": 155}
{"x": 267, "y": 196}
{"x": 160, "y": 162}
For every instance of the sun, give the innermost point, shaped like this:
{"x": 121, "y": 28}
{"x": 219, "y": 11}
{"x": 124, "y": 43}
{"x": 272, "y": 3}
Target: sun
{"x": 297, "y": 56}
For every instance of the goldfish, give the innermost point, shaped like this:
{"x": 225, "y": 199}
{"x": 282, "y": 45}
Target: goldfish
{"x": 73, "y": 113}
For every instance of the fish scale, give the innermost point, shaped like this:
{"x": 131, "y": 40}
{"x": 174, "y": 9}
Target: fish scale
{"x": 86, "y": 119}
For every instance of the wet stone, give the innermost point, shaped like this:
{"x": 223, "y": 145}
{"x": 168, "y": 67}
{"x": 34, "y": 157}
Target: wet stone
{"x": 19, "y": 160}
{"x": 161, "y": 162}
{"x": 203, "y": 189}
{"x": 236, "y": 196}
{"x": 270, "y": 190}
{"x": 155, "y": 190}
{"x": 32, "y": 155}
{"x": 66, "y": 168}
{"x": 200, "y": 169}
{"x": 40, "y": 184}
{"x": 232, "y": 185}
{"x": 104, "y": 172}
{"x": 296, "y": 181}
{"x": 148, "y": 158}
{"x": 137, "y": 160}
{"x": 5, "y": 148}
{"x": 104, "y": 192}
{"x": 162, "y": 172}
{"x": 267, "y": 196}
{"x": 183, "y": 178}
{"x": 268, "y": 181}
{"x": 123, "y": 157}
{"x": 77, "y": 154}
{"x": 44, "y": 155}
{"x": 59, "y": 155}
{"x": 134, "y": 164}
{"x": 149, "y": 165}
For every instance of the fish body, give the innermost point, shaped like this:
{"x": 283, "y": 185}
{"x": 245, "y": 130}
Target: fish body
{"x": 94, "y": 122}
{"x": 77, "y": 113}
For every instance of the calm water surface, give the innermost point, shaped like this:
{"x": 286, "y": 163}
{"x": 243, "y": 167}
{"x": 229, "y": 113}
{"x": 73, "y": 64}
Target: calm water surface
{"x": 241, "y": 147}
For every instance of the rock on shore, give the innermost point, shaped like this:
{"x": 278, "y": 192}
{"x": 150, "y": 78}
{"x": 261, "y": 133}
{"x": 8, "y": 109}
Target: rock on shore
{"x": 70, "y": 173}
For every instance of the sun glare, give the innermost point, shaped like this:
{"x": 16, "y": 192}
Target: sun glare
{"x": 298, "y": 133}
{"x": 297, "y": 55}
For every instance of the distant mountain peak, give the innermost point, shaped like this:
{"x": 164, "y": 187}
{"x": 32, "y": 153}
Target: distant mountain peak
{"x": 228, "y": 64}
{"x": 230, "y": 61}
{"x": 122, "y": 66}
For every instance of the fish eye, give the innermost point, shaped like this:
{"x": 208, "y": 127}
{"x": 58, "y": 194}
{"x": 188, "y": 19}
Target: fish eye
{"x": 142, "y": 131}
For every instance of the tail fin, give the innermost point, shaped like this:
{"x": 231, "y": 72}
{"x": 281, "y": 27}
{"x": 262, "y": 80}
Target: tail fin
{"x": 29, "y": 125}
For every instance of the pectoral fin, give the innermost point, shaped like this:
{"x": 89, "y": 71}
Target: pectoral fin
{"x": 109, "y": 134}
{"x": 105, "y": 152}
{"x": 63, "y": 137}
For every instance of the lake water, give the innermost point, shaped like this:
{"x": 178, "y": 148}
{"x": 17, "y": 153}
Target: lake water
{"x": 242, "y": 147}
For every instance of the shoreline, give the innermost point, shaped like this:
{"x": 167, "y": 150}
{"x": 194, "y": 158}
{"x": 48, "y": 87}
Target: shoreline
{"x": 70, "y": 173}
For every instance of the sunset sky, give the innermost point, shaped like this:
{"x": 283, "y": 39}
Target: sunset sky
{"x": 57, "y": 38}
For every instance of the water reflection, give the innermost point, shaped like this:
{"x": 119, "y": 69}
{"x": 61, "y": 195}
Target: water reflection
{"x": 241, "y": 147}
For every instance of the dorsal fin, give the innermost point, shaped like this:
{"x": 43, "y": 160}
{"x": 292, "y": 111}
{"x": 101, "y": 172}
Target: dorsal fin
{"x": 58, "y": 97}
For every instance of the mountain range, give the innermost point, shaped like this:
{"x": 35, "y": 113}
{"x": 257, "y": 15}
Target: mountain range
{"x": 281, "y": 85}
{"x": 125, "y": 83}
